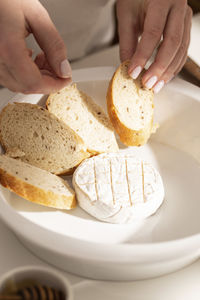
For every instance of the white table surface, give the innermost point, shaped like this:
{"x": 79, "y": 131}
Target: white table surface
{"x": 184, "y": 284}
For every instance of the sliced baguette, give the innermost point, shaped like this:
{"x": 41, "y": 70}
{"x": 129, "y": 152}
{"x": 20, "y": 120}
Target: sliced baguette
{"x": 35, "y": 185}
{"x": 85, "y": 117}
{"x": 130, "y": 107}
{"x": 34, "y": 135}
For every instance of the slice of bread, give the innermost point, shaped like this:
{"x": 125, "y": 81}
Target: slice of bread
{"x": 35, "y": 185}
{"x": 130, "y": 107}
{"x": 34, "y": 135}
{"x": 85, "y": 117}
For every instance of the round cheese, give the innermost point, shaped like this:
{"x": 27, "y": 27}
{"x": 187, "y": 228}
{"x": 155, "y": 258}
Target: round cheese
{"x": 118, "y": 187}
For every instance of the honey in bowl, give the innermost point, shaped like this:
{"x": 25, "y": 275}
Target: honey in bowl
{"x": 30, "y": 290}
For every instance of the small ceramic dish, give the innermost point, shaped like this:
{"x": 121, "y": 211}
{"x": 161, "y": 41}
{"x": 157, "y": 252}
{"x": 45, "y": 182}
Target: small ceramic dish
{"x": 45, "y": 276}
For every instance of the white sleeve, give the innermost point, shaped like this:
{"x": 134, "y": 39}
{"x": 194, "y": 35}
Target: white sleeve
{"x": 85, "y": 26}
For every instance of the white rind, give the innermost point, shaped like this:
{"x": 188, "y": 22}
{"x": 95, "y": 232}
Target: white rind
{"x": 118, "y": 188}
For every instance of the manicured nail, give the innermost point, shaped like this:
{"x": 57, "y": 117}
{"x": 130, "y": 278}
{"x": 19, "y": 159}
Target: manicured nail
{"x": 159, "y": 85}
{"x": 150, "y": 83}
{"x": 136, "y": 72}
{"x": 65, "y": 69}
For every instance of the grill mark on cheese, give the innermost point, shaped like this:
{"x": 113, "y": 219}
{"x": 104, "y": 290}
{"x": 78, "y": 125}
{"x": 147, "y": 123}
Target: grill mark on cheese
{"x": 111, "y": 182}
{"x": 82, "y": 184}
{"x": 128, "y": 182}
{"x": 142, "y": 167}
{"x": 95, "y": 180}
{"x": 118, "y": 203}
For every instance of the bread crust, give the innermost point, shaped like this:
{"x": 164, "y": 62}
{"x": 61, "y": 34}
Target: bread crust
{"x": 35, "y": 194}
{"x": 127, "y": 136}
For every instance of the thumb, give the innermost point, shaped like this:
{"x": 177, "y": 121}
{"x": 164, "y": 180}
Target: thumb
{"x": 49, "y": 40}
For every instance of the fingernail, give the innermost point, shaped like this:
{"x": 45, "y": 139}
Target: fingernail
{"x": 136, "y": 72}
{"x": 158, "y": 86}
{"x": 150, "y": 83}
{"x": 65, "y": 69}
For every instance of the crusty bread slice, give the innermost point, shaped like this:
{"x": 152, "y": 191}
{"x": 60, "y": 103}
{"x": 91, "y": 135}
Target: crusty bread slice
{"x": 85, "y": 117}
{"x": 130, "y": 107}
{"x": 35, "y": 185}
{"x": 34, "y": 135}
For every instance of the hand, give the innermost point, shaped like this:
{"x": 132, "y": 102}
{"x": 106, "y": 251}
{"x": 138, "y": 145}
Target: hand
{"x": 18, "y": 72}
{"x": 165, "y": 23}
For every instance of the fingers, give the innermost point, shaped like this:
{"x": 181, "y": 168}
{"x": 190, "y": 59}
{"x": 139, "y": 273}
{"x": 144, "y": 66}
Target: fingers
{"x": 14, "y": 64}
{"x": 174, "y": 22}
{"x": 42, "y": 62}
{"x": 128, "y": 32}
{"x": 173, "y": 48}
{"x": 6, "y": 78}
{"x": 128, "y": 39}
{"x": 49, "y": 83}
{"x": 49, "y": 78}
{"x": 20, "y": 74}
{"x": 183, "y": 61}
{"x": 181, "y": 56}
{"x": 49, "y": 40}
{"x": 154, "y": 25}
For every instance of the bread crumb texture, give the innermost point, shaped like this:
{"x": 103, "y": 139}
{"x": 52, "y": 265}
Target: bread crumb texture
{"x": 130, "y": 107}
{"x": 85, "y": 117}
{"x": 34, "y": 135}
{"x": 35, "y": 184}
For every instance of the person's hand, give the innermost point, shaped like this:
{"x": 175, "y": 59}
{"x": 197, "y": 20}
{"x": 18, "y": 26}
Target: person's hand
{"x": 167, "y": 22}
{"x": 18, "y": 72}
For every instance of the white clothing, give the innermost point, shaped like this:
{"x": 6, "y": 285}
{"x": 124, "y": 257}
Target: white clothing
{"x": 85, "y": 25}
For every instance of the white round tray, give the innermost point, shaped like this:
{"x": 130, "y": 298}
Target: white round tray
{"x": 166, "y": 241}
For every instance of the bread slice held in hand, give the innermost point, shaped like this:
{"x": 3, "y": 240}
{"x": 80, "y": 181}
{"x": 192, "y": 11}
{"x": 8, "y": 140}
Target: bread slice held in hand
{"x": 130, "y": 107}
{"x": 35, "y": 185}
{"x": 85, "y": 117}
{"x": 32, "y": 134}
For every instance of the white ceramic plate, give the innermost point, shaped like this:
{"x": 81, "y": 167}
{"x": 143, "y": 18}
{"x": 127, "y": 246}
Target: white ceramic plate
{"x": 166, "y": 241}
